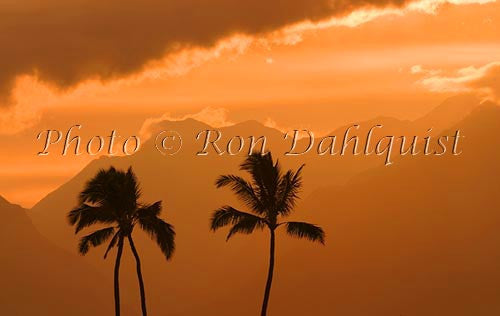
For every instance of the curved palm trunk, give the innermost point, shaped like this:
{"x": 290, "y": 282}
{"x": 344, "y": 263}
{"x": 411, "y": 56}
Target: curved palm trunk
{"x": 139, "y": 276}
{"x": 269, "y": 276}
{"x": 117, "y": 275}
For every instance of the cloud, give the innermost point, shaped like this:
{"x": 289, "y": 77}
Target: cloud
{"x": 61, "y": 44}
{"x": 31, "y": 98}
{"x": 364, "y": 14}
{"x": 215, "y": 117}
{"x": 22, "y": 116}
{"x": 418, "y": 69}
{"x": 490, "y": 81}
{"x": 66, "y": 42}
{"x": 484, "y": 80}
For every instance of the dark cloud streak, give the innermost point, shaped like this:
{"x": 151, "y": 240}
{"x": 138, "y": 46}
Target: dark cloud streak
{"x": 65, "y": 42}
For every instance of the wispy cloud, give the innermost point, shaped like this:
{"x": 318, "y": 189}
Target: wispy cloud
{"x": 485, "y": 80}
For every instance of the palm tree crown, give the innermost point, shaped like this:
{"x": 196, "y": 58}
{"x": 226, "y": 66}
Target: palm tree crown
{"x": 111, "y": 198}
{"x": 270, "y": 195}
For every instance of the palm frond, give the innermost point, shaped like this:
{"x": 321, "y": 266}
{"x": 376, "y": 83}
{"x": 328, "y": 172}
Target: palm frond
{"x": 244, "y": 190}
{"x": 150, "y": 209}
{"x": 114, "y": 189}
{"x": 266, "y": 176}
{"x": 288, "y": 191}
{"x": 86, "y": 215}
{"x": 246, "y": 225}
{"x": 94, "y": 239}
{"x": 132, "y": 188}
{"x": 95, "y": 189}
{"x": 228, "y": 215}
{"x": 305, "y": 230}
{"x": 255, "y": 165}
{"x": 161, "y": 232}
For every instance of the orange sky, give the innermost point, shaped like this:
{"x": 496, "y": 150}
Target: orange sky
{"x": 396, "y": 65}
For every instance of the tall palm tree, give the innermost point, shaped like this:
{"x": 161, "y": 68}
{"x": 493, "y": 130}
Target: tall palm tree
{"x": 270, "y": 195}
{"x": 111, "y": 199}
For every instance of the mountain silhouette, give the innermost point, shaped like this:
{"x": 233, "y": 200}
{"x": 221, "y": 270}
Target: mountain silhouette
{"x": 405, "y": 239}
{"x": 39, "y": 278}
{"x": 419, "y": 238}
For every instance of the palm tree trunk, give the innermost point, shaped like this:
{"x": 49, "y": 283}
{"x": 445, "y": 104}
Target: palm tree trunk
{"x": 117, "y": 274}
{"x": 139, "y": 276}
{"x": 269, "y": 276}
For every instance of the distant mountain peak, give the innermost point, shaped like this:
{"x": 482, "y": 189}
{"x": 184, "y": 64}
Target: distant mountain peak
{"x": 250, "y": 124}
{"x": 489, "y": 103}
{"x": 251, "y": 127}
{"x": 185, "y": 121}
{"x": 451, "y": 110}
{"x": 190, "y": 120}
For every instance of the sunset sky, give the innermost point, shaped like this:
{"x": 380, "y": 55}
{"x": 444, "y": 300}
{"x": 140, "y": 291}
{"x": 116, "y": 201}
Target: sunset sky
{"x": 312, "y": 65}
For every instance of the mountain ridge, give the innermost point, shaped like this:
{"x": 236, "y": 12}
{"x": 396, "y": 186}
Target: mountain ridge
{"x": 186, "y": 187}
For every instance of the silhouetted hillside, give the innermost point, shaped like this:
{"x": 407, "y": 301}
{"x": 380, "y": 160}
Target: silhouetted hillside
{"x": 409, "y": 239}
{"x": 39, "y": 278}
{"x": 418, "y": 238}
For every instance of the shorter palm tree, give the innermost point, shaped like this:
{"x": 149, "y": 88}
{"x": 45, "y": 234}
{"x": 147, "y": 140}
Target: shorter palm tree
{"x": 270, "y": 195}
{"x": 111, "y": 198}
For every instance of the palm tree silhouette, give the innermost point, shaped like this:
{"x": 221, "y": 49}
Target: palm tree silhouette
{"x": 270, "y": 195}
{"x": 111, "y": 199}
